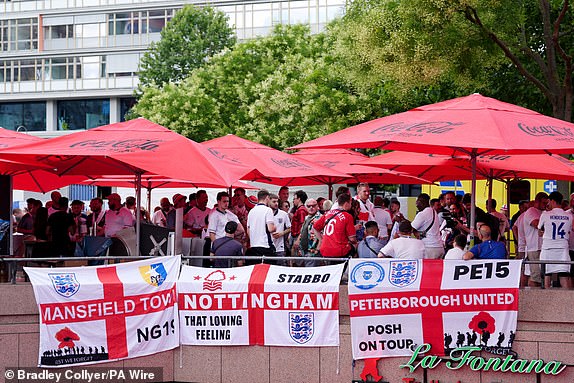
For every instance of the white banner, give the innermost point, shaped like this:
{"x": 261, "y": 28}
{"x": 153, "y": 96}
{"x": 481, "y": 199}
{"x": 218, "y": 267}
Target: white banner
{"x": 260, "y": 305}
{"x": 396, "y": 305}
{"x": 96, "y": 314}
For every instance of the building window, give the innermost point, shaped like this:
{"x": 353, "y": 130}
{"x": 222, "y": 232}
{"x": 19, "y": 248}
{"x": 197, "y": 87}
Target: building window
{"x": 19, "y": 34}
{"x": 83, "y": 114}
{"x": 127, "y": 23}
{"x": 59, "y": 31}
{"x": 29, "y": 115}
{"x": 125, "y": 106}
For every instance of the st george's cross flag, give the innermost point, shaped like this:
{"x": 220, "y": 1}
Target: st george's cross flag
{"x": 397, "y": 305}
{"x": 260, "y": 305}
{"x": 99, "y": 314}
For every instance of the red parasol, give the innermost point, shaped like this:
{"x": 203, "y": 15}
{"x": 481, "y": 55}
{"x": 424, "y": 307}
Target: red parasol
{"x": 497, "y": 166}
{"x": 127, "y": 148}
{"x": 133, "y": 147}
{"x": 277, "y": 167}
{"x": 472, "y": 125}
{"x": 29, "y": 175}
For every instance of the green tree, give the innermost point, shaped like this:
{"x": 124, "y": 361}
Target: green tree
{"x": 277, "y": 90}
{"x": 215, "y": 99}
{"x": 467, "y": 42}
{"x": 187, "y": 42}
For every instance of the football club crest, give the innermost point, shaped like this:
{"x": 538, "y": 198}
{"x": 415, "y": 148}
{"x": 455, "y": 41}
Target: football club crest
{"x": 65, "y": 284}
{"x": 403, "y": 273}
{"x": 301, "y": 326}
{"x": 214, "y": 281}
{"x": 367, "y": 275}
{"x": 153, "y": 274}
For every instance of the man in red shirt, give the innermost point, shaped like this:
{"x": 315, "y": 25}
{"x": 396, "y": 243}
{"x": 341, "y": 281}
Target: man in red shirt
{"x": 338, "y": 230}
{"x": 299, "y": 216}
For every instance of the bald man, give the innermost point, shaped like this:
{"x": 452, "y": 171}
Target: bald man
{"x": 487, "y": 249}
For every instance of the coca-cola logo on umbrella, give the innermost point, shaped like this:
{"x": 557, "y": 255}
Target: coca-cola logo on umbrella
{"x": 119, "y": 145}
{"x": 548, "y": 130}
{"x": 222, "y": 156}
{"x": 289, "y": 163}
{"x": 432, "y": 127}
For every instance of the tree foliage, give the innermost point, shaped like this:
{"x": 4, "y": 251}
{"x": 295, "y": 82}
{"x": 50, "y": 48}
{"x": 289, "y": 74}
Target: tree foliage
{"x": 278, "y": 90}
{"x": 467, "y": 42}
{"x": 191, "y": 38}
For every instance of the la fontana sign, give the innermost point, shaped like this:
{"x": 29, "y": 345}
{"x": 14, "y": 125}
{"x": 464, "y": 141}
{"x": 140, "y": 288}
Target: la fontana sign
{"x": 462, "y": 356}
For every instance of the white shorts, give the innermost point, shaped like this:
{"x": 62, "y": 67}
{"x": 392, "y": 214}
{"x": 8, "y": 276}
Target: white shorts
{"x": 556, "y": 255}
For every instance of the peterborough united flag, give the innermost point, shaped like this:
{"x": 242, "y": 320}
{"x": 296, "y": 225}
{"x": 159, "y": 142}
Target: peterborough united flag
{"x": 98, "y": 314}
{"x": 260, "y": 305}
{"x": 397, "y": 305}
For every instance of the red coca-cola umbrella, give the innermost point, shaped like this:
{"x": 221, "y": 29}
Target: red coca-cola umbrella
{"x": 348, "y": 161}
{"x": 274, "y": 166}
{"x": 473, "y": 125}
{"x": 135, "y": 147}
{"x": 436, "y": 167}
{"x": 29, "y": 175}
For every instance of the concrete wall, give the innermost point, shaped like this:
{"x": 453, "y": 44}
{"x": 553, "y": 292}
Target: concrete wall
{"x": 545, "y": 331}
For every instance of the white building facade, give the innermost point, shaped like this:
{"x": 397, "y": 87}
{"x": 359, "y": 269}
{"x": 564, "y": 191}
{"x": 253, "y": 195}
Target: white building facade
{"x": 69, "y": 65}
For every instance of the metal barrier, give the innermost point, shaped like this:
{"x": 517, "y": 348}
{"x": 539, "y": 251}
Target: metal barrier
{"x": 13, "y": 261}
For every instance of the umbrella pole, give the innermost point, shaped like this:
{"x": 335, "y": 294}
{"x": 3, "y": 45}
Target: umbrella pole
{"x": 473, "y": 197}
{"x": 149, "y": 198}
{"x": 11, "y": 232}
{"x": 330, "y": 187}
{"x": 490, "y": 181}
{"x": 138, "y": 210}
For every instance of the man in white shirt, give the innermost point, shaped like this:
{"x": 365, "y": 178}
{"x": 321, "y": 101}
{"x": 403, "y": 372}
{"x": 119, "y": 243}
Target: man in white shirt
{"x": 194, "y": 220}
{"x": 260, "y": 226}
{"x": 159, "y": 218}
{"x": 117, "y": 217}
{"x": 556, "y": 225}
{"x": 383, "y": 219}
{"x": 426, "y": 223}
{"x": 282, "y": 228}
{"x": 458, "y": 251}
{"x": 219, "y": 217}
{"x": 366, "y": 212}
{"x": 405, "y": 246}
{"x": 533, "y": 240}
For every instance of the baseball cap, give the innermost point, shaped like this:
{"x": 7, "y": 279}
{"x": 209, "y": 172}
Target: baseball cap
{"x": 177, "y": 197}
{"x": 114, "y": 196}
{"x": 251, "y": 201}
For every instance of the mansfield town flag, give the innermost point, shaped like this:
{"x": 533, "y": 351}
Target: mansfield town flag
{"x": 396, "y": 305}
{"x": 98, "y": 314}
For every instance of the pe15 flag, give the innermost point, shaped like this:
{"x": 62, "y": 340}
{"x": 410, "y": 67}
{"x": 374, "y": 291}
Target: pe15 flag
{"x": 260, "y": 305}
{"x": 99, "y": 314}
{"x": 397, "y": 305}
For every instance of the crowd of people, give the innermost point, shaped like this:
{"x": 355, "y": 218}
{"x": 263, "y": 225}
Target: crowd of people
{"x": 267, "y": 225}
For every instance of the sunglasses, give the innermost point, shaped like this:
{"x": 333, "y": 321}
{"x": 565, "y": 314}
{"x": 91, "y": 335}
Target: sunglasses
{"x": 311, "y": 205}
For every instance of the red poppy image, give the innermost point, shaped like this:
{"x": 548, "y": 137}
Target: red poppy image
{"x": 66, "y": 338}
{"x": 482, "y": 322}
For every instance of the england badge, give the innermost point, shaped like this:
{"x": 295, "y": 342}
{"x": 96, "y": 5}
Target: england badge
{"x": 403, "y": 273}
{"x": 65, "y": 284}
{"x": 301, "y": 326}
